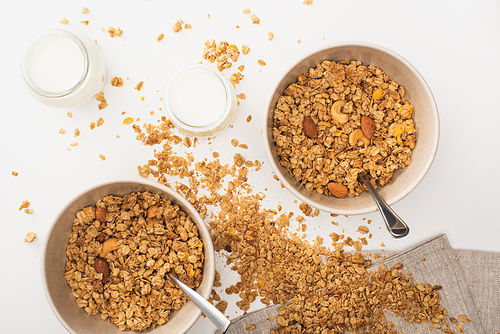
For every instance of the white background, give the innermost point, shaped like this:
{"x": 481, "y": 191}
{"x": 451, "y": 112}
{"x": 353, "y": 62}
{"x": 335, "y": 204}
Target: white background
{"x": 455, "y": 45}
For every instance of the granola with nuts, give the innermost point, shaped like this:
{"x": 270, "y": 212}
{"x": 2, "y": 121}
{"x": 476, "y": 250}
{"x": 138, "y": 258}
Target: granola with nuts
{"x": 341, "y": 119}
{"x": 120, "y": 252}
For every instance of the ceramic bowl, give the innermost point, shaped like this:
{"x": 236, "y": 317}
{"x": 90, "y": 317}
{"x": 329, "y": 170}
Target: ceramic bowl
{"x": 425, "y": 117}
{"x": 57, "y": 290}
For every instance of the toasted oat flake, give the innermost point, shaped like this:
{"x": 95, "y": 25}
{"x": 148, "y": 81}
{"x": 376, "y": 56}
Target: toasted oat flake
{"x": 241, "y": 96}
{"x": 250, "y": 327}
{"x": 69, "y": 114}
{"x": 73, "y": 144}
{"x": 128, "y": 121}
{"x": 14, "y": 173}
{"x": 244, "y": 146}
{"x": 64, "y": 20}
{"x": 245, "y": 49}
{"x": 85, "y": 10}
{"x": 30, "y": 237}
{"x": 77, "y": 132}
{"x": 62, "y": 131}
{"x": 160, "y": 37}
{"x": 307, "y": 2}
{"x": 117, "y": 82}
{"x": 363, "y": 230}
{"x": 271, "y": 36}
{"x": 188, "y": 26}
{"x": 139, "y": 86}
{"x": 102, "y": 157}
{"x": 255, "y": 19}
{"x": 24, "y": 205}
{"x": 234, "y": 142}
{"x": 299, "y": 41}
{"x": 92, "y": 126}
{"x": 261, "y": 62}
{"x": 241, "y": 68}
{"x": 463, "y": 318}
{"x": 100, "y": 122}
{"x": 246, "y": 11}
{"x": 28, "y": 211}
{"x": 100, "y": 97}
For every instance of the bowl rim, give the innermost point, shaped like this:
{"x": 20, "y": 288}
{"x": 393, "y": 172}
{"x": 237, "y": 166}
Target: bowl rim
{"x": 208, "y": 253}
{"x": 373, "y": 207}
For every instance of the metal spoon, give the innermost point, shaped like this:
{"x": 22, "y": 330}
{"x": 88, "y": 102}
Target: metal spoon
{"x": 208, "y": 309}
{"x": 396, "y": 226}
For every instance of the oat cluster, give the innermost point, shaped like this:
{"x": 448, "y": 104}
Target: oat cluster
{"x": 118, "y": 255}
{"x": 341, "y": 119}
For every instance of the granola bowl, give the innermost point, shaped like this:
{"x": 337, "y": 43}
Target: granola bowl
{"x": 299, "y": 123}
{"x": 141, "y": 301}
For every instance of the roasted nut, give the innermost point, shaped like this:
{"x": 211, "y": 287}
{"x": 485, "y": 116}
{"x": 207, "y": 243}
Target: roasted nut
{"x": 152, "y": 210}
{"x": 310, "y": 129}
{"x": 356, "y": 136}
{"x": 108, "y": 246}
{"x": 337, "y": 115}
{"x": 100, "y": 214}
{"x": 367, "y": 126}
{"x": 338, "y": 190}
{"x": 102, "y": 267}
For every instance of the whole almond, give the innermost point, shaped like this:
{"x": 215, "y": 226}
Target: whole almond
{"x": 100, "y": 215}
{"x": 338, "y": 190}
{"x": 367, "y": 126}
{"x": 102, "y": 267}
{"x": 309, "y": 127}
{"x": 152, "y": 210}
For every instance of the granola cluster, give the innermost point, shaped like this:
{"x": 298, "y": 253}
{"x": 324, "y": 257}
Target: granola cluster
{"x": 120, "y": 252}
{"x": 341, "y": 119}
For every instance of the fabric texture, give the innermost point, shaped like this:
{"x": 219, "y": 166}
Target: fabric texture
{"x": 470, "y": 283}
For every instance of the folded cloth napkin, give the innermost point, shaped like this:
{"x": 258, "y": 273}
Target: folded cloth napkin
{"x": 470, "y": 283}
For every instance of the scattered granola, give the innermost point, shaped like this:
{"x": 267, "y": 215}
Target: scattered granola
{"x": 128, "y": 121}
{"x": 24, "y": 205}
{"x": 177, "y": 27}
{"x": 30, "y": 237}
{"x": 92, "y": 126}
{"x": 69, "y": 114}
{"x": 14, "y": 173}
{"x": 114, "y": 32}
{"x": 246, "y": 11}
{"x": 73, "y": 144}
{"x": 261, "y": 62}
{"x": 356, "y": 133}
{"x": 77, "y": 132}
{"x": 28, "y": 211}
{"x": 86, "y": 22}
{"x": 249, "y": 118}
{"x": 100, "y": 97}
{"x": 118, "y": 255}
{"x": 255, "y": 19}
{"x": 139, "y": 86}
{"x": 307, "y": 2}
{"x": 271, "y": 36}
{"x": 241, "y": 96}
{"x": 117, "y": 82}
{"x": 64, "y": 20}
{"x": 102, "y": 157}
{"x": 160, "y": 37}
{"x": 85, "y": 10}
{"x": 100, "y": 122}
{"x": 188, "y": 26}
{"x": 245, "y": 49}
{"x": 62, "y": 131}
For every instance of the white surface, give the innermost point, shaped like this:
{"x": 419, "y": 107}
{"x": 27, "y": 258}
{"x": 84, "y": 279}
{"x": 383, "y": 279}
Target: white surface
{"x": 454, "y": 45}
{"x": 208, "y": 104}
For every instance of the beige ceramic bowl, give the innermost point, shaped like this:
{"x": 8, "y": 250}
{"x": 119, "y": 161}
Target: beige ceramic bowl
{"x": 57, "y": 290}
{"x": 425, "y": 116}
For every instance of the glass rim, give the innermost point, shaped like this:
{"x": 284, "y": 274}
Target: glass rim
{"x": 27, "y": 53}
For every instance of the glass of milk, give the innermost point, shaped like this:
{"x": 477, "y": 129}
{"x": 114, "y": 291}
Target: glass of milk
{"x": 62, "y": 68}
{"x": 200, "y": 101}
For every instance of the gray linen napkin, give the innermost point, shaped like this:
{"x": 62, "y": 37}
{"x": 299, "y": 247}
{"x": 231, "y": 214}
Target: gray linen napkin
{"x": 470, "y": 281}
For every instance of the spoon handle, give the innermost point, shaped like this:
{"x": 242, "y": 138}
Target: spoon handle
{"x": 208, "y": 309}
{"x": 396, "y": 226}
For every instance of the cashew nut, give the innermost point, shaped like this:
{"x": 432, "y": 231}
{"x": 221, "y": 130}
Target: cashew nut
{"x": 109, "y": 246}
{"x": 356, "y": 136}
{"x": 337, "y": 115}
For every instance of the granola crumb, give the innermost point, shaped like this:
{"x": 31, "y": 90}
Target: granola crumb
{"x": 86, "y": 22}
{"x": 245, "y": 49}
{"x": 307, "y": 2}
{"x": 249, "y": 118}
{"x": 255, "y": 19}
{"x": 100, "y": 122}
{"x": 14, "y": 173}
{"x": 128, "y": 121}
{"x": 69, "y": 114}
{"x": 117, "y": 82}
{"x": 208, "y": 16}
{"x": 77, "y": 132}
{"x": 271, "y": 36}
{"x": 64, "y": 20}
{"x": 100, "y": 97}
{"x": 73, "y": 144}
{"x": 102, "y": 157}
{"x": 30, "y": 237}
{"x": 299, "y": 41}
{"x": 92, "y": 126}
{"x": 114, "y": 32}
{"x": 241, "y": 96}
{"x": 160, "y": 37}
{"x": 177, "y": 27}
{"x": 62, "y": 131}
{"x": 24, "y": 205}
{"x": 188, "y": 26}
{"x": 85, "y": 10}
{"x": 28, "y": 211}
{"x": 246, "y": 11}
{"x": 241, "y": 68}
{"x": 139, "y": 86}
